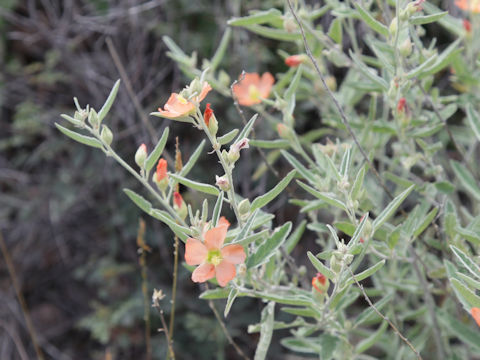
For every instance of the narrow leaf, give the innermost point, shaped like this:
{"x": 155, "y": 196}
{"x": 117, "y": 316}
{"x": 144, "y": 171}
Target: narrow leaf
{"x": 157, "y": 151}
{"x": 205, "y": 188}
{"x": 86, "y": 140}
{"x": 390, "y": 209}
{"x": 320, "y": 267}
{"x": 266, "y": 250}
{"x": 263, "y": 200}
{"x": 108, "y": 103}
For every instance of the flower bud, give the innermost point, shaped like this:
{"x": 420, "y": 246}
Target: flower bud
{"x": 179, "y": 205}
{"x": 222, "y": 182}
{"x": 141, "y": 156}
{"x": 413, "y": 7}
{"x": 467, "y": 25}
{"x": 106, "y": 135}
{"x": 289, "y": 24}
{"x": 210, "y": 120}
{"x": 320, "y": 283}
{"x": 160, "y": 178}
{"x": 284, "y": 131}
{"x": 93, "y": 119}
{"x": 296, "y": 60}
{"x": 393, "y": 28}
{"x": 80, "y": 115}
{"x": 335, "y": 264}
{"x": 244, "y": 208}
{"x": 406, "y": 48}
{"x": 234, "y": 152}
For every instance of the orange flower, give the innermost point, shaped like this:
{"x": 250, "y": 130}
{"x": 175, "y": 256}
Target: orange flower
{"x": 469, "y": 5}
{"x": 161, "y": 170}
{"x": 252, "y": 88}
{"x": 214, "y": 259}
{"x": 177, "y": 106}
{"x": 476, "y": 314}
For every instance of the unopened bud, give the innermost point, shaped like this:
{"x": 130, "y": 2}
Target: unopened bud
{"x": 406, "y": 48}
{"x": 335, "y": 264}
{"x": 210, "y": 120}
{"x": 93, "y": 119}
{"x": 160, "y": 178}
{"x": 80, "y": 115}
{"x": 244, "y": 208}
{"x": 296, "y": 60}
{"x": 222, "y": 182}
{"x": 179, "y": 205}
{"x": 106, "y": 135}
{"x": 289, "y": 24}
{"x": 284, "y": 131}
{"x": 320, "y": 283}
{"x": 234, "y": 152}
{"x": 141, "y": 156}
{"x": 393, "y": 28}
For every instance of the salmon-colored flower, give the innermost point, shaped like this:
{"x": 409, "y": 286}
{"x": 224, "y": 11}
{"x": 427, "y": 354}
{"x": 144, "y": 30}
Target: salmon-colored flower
{"x": 469, "y": 5}
{"x": 161, "y": 170}
{"x": 294, "y": 60}
{"x": 177, "y": 106}
{"x": 214, "y": 259}
{"x": 476, "y": 314}
{"x": 252, "y": 88}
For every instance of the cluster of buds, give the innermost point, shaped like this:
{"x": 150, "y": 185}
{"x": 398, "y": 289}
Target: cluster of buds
{"x": 340, "y": 258}
{"x": 411, "y": 9}
{"x": 234, "y": 153}
{"x": 192, "y": 90}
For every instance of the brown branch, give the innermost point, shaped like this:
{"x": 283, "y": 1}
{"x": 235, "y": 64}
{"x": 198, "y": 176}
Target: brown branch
{"x": 21, "y": 299}
{"x": 225, "y": 331}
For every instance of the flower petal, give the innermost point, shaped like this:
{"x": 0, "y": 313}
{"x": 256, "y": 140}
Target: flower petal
{"x": 205, "y": 90}
{"x": 203, "y": 273}
{"x": 234, "y": 254}
{"x": 195, "y": 252}
{"x": 225, "y": 272}
{"x": 266, "y": 83}
{"x": 475, "y": 311}
{"x": 223, "y": 222}
{"x": 215, "y": 237}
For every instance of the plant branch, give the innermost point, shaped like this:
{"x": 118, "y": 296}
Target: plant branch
{"x": 21, "y": 299}
{"x": 404, "y": 339}
{"x": 345, "y": 121}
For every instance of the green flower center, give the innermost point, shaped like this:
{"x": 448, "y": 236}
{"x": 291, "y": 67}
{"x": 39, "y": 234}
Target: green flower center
{"x": 214, "y": 257}
{"x": 253, "y": 93}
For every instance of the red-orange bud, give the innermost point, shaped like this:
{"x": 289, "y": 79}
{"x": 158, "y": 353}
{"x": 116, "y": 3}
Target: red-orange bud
{"x": 161, "y": 169}
{"x": 318, "y": 282}
{"x": 294, "y": 60}
{"x": 207, "y": 114}
{"x": 467, "y": 25}
{"x": 401, "y": 104}
{"x": 177, "y": 199}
